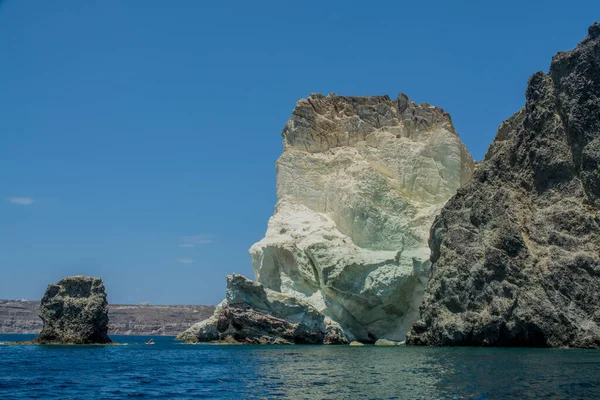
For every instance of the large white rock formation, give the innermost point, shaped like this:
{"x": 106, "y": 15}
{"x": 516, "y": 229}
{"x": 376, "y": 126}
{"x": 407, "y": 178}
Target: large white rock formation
{"x": 359, "y": 184}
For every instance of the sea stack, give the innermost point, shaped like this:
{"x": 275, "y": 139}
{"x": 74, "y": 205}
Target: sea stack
{"x": 359, "y": 183}
{"x": 74, "y": 311}
{"x": 516, "y": 253}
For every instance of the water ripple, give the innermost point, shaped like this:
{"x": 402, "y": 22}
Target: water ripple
{"x": 173, "y": 370}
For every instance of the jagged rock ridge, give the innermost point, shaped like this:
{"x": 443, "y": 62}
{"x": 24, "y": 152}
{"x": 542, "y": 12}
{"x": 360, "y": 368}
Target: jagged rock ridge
{"x": 358, "y": 184}
{"x": 516, "y": 253}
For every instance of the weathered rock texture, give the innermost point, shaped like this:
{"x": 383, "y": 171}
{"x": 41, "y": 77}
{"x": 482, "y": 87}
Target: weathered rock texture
{"x": 359, "y": 183}
{"x": 255, "y": 315}
{"x": 124, "y": 319}
{"x": 74, "y": 311}
{"x": 516, "y": 253}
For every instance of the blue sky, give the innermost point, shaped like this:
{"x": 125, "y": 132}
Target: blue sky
{"x": 138, "y": 139}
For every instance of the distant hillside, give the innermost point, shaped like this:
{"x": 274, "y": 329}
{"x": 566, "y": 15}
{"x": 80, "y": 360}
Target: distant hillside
{"x": 22, "y": 317}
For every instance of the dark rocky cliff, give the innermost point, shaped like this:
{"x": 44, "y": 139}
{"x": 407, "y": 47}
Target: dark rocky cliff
{"x": 516, "y": 252}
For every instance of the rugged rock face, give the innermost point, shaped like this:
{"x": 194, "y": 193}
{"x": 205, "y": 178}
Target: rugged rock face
{"x": 74, "y": 311}
{"x": 359, "y": 183}
{"x": 255, "y": 315}
{"x": 516, "y": 253}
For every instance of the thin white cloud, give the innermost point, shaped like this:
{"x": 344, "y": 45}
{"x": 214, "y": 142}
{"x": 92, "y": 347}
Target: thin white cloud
{"x": 21, "y": 201}
{"x": 197, "y": 240}
{"x": 185, "y": 260}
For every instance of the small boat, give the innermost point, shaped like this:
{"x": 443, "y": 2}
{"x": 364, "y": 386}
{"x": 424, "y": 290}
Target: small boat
{"x": 151, "y": 341}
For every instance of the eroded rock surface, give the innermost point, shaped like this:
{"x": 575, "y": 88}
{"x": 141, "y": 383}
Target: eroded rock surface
{"x": 359, "y": 183}
{"x": 74, "y": 311}
{"x": 255, "y": 315}
{"x": 516, "y": 253}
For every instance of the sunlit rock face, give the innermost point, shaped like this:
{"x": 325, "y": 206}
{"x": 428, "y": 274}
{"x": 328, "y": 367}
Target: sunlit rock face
{"x": 359, "y": 183}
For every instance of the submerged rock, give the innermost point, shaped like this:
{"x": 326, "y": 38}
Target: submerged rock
{"x": 255, "y": 315}
{"x": 516, "y": 253}
{"x": 355, "y": 343}
{"x": 358, "y": 184}
{"x": 385, "y": 342}
{"x": 74, "y": 311}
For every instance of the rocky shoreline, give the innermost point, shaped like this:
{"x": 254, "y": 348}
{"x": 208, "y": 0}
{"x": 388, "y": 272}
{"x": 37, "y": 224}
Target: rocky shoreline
{"x": 21, "y": 317}
{"x": 512, "y": 259}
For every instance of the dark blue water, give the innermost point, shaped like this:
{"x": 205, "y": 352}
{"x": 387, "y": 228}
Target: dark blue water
{"x": 169, "y": 369}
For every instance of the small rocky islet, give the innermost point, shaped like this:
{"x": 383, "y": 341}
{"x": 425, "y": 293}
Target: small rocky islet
{"x": 386, "y": 229}
{"x": 74, "y": 311}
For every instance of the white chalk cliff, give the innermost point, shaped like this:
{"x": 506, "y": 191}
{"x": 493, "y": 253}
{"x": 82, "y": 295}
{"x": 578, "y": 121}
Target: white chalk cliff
{"x": 359, "y": 184}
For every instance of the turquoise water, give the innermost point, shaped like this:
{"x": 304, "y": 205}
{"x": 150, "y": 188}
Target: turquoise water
{"x": 169, "y": 369}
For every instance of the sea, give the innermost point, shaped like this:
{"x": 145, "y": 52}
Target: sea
{"x": 173, "y": 370}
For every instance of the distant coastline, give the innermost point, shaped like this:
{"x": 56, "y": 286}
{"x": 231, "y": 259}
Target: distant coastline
{"x": 21, "y": 317}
